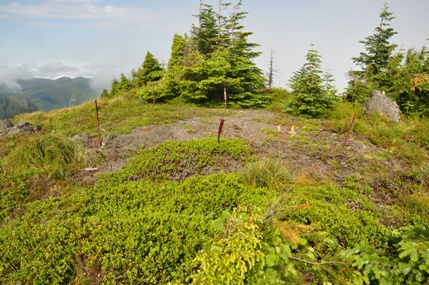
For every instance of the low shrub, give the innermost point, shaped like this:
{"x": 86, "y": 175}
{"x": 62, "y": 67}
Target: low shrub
{"x": 179, "y": 160}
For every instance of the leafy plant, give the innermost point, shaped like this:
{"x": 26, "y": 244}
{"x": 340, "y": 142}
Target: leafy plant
{"x": 406, "y": 261}
{"x": 135, "y": 232}
{"x": 236, "y": 256}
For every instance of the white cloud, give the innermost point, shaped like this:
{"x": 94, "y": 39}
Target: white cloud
{"x": 74, "y": 1}
{"x": 81, "y": 14}
{"x": 9, "y": 76}
{"x": 58, "y": 69}
{"x": 101, "y": 74}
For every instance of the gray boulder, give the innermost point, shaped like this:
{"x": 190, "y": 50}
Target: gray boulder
{"x": 83, "y": 138}
{"x": 5, "y": 126}
{"x": 380, "y": 103}
{"x": 24, "y": 127}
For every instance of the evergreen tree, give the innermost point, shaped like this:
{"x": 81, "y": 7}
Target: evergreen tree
{"x": 119, "y": 86}
{"x": 238, "y": 38}
{"x": 206, "y": 34}
{"x": 328, "y": 80}
{"x": 313, "y": 94}
{"x": 150, "y": 71}
{"x": 168, "y": 86}
{"x": 173, "y": 75}
{"x": 411, "y": 82}
{"x": 374, "y": 61}
{"x": 115, "y": 88}
{"x": 228, "y": 64}
{"x": 104, "y": 94}
{"x": 125, "y": 83}
{"x": 177, "y": 53}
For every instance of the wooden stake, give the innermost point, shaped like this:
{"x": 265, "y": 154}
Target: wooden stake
{"x": 222, "y": 120}
{"x": 220, "y": 129}
{"x": 153, "y": 93}
{"x": 224, "y": 97}
{"x": 98, "y": 123}
{"x": 350, "y": 130}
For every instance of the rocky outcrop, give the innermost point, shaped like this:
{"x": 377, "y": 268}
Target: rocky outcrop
{"x": 7, "y": 127}
{"x": 83, "y": 138}
{"x": 380, "y": 103}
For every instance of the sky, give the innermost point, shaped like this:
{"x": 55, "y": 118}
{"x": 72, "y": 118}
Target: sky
{"x": 103, "y": 38}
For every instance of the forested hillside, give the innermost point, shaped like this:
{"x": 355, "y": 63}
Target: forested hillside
{"x": 14, "y": 105}
{"x": 63, "y": 92}
{"x": 199, "y": 173}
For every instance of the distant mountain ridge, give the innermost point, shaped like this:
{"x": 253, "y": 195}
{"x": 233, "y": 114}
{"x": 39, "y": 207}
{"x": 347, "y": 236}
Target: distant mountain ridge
{"x": 11, "y": 106}
{"x": 49, "y": 94}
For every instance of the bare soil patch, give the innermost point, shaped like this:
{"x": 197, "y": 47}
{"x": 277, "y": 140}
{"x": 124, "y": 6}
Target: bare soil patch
{"x": 317, "y": 153}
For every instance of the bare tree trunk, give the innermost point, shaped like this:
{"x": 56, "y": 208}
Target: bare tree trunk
{"x": 272, "y": 71}
{"x": 219, "y": 23}
{"x": 201, "y": 9}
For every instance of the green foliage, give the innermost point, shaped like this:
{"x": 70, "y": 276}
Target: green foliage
{"x": 378, "y": 48}
{"x": 122, "y": 114}
{"x": 170, "y": 83}
{"x": 104, "y": 94}
{"x": 206, "y": 80}
{"x": 115, "y": 88}
{"x": 266, "y": 173}
{"x": 206, "y": 34}
{"x": 118, "y": 87}
{"x": 348, "y": 217}
{"x": 311, "y": 98}
{"x": 406, "y": 261}
{"x": 151, "y": 71}
{"x": 234, "y": 258}
{"x": 27, "y": 169}
{"x": 345, "y": 111}
{"x": 53, "y": 154}
{"x": 254, "y": 248}
{"x": 60, "y": 93}
{"x": 13, "y": 194}
{"x": 151, "y": 93}
{"x": 417, "y": 204}
{"x": 374, "y": 62}
{"x": 136, "y": 232}
{"x": 403, "y": 75}
{"x": 219, "y": 56}
{"x": 180, "y": 160}
{"x": 406, "y": 141}
{"x": 280, "y": 97}
{"x": 411, "y": 87}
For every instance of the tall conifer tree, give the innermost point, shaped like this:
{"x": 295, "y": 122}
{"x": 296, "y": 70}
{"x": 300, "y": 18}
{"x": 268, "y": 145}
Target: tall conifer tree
{"x": 171, "y": 81}
{"x": 374, "y": 61}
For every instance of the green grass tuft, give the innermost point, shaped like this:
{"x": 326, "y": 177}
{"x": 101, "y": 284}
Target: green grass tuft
{"x": 267, "y": 173}
{"x": 52, "y": 154}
